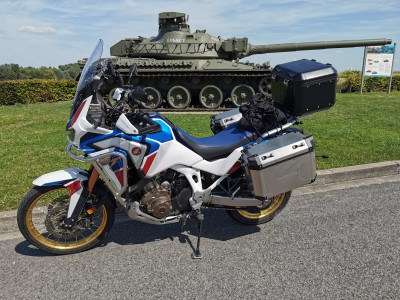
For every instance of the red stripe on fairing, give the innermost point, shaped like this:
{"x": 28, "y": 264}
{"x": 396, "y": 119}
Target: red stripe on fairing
{"x": 77, "y": 113}
{"x": 148, "y": 163}
{"x": 74, "y": 186}
{"x": 234, "y": 167}
{"x": 120, "y": 176}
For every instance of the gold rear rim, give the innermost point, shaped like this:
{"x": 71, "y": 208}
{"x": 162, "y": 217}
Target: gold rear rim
{"x": 263, "y": 212}
{"x": 38, "y": 218}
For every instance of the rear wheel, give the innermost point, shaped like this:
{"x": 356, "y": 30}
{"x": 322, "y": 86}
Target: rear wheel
{"x": 43, "y": 209}
{"x": 261, "y": 214}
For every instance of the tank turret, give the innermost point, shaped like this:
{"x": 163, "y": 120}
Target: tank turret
{"x": 185, "y": 67}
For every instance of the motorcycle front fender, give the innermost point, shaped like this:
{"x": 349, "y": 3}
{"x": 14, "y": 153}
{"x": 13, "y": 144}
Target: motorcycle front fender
{"x": 61, "y": 177}
{"x": 72, "y": 179}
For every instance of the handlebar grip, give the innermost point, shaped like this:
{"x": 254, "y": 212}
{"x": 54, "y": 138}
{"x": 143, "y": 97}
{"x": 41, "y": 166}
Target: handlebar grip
{"x": 145, "y": 117}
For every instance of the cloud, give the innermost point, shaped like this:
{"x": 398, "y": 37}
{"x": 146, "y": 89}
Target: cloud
{"x": 59, "y": 32}
{"x": 38, "y": 30}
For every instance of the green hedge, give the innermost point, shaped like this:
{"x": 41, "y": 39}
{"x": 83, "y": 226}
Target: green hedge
{"x": 350, "y": 81}
{"x": 44, "y": 90}
{"x": 36, "y": 90}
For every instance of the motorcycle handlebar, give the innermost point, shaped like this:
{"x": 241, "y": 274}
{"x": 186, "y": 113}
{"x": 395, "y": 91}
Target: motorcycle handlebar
{"x": 148, "y": 124}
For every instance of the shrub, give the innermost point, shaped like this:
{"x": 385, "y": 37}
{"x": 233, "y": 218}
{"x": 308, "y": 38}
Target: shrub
{"x": 350, "y": 81}
{"x": 36, "y": 90}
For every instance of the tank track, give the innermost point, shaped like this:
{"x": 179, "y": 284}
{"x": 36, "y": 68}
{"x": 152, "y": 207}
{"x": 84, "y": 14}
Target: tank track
{"x": 184, "y": 91}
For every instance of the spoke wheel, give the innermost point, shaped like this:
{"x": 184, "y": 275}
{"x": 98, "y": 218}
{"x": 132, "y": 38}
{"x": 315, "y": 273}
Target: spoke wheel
{"x": 259, "y": 215}
{"x": 179, "y": 97}
{"x": 265, "y": 86}
{"x": 211, "y": 96}
{"x": 154, "y": 98}
{"x": 242, "y": 94}
{"x": 43, "y": 209}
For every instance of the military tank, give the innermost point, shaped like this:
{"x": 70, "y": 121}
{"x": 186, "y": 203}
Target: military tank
{"x": 184, "y": 68}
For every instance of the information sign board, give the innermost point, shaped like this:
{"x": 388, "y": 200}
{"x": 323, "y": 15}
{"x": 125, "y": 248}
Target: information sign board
{"x": 379, "y": 61}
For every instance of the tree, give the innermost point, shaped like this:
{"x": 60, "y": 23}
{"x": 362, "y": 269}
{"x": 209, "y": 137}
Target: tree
{"x": 14, "y": 71}
{"x": 8, "y": 72}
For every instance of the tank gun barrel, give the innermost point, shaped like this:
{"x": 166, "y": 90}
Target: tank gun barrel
{"x": 272, "y": 48}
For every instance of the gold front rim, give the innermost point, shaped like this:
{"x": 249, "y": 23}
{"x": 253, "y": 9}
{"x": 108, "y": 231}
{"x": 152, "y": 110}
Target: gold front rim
{"x": 276, "y": 203}
{"x": 38, "y": 231}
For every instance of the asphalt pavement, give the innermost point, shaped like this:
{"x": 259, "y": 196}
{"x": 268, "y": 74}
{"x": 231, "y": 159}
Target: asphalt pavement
{"x": 327, "y": 180}
{"x": 336, "y": 239}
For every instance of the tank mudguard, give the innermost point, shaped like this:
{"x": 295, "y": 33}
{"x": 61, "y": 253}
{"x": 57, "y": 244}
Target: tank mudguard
{"x": 61, "y": 177}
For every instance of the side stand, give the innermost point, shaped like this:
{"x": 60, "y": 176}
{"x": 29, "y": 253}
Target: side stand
{"x": 196, "y": 253}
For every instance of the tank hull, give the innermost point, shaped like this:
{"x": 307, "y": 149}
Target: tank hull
{"x": 197, "y": 83}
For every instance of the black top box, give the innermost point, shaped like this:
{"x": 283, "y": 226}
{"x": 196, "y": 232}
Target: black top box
{"x": 304, "y": 86}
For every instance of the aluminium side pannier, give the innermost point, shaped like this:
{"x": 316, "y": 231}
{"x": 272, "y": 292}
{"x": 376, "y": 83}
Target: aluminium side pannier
{"x": 280, "y": 164}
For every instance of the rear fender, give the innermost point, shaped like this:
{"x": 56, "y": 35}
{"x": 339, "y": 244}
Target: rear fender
{"x": 72, "y": 179}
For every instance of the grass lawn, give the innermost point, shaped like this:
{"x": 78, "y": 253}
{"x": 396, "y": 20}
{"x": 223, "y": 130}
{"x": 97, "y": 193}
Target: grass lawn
{"x": 358, "y": 129}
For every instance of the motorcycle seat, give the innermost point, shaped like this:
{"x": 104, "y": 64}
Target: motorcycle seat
{"x": 218, "y": 145}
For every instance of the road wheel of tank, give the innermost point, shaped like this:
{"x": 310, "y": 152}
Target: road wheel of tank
{"x": 211, "y": 96}
{"x": 154, "y": 98}
{"x": 265, "y": 86}
{"x": 178, "y": 97}
{"x": 242, "y": 94}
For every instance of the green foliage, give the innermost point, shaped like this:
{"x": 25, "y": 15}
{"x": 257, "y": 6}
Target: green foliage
{"x": 70, "y": 71}
{"x": 359, "y": 129}
{"x": 9, "y": 72}
{"x": 15, "y": 72}
{"x": 350, "y": 81}
{"x": 36, "y": 90}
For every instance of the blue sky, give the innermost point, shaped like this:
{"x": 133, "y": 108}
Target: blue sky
{"x": 50, "y": 33}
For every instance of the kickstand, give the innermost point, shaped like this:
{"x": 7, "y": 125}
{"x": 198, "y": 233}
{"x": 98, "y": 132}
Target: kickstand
{"x": 196, "y": 253}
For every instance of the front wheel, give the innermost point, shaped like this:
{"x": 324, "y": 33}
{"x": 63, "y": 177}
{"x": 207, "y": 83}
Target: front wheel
{"x": 42, "y": 211}
{"x": 260, "y": 214}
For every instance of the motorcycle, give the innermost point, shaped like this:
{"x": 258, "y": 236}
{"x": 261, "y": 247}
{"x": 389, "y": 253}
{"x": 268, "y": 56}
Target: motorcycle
{"x": 157, "y": 172}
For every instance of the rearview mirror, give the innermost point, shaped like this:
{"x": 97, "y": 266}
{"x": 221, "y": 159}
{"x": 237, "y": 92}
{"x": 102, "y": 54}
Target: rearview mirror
{"x": 138, "y": 94}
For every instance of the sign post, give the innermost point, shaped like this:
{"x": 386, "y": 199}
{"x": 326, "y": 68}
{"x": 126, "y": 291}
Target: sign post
{"x": 378, "y": 62}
